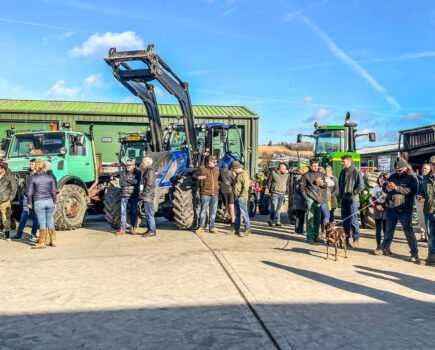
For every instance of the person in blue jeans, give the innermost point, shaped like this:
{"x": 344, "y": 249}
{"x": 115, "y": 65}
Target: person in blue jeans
{"x": 26, "y": 211}
{"x": 277, "y": 185}
{"x": 208, "y": 177}
{"x": 147, "y": 194}
{"x": 401, "y": 189}
{"x": 350, "y": 185}
{"x": 130, "y": 183}
{"x": 41, "y": 196}
{"x": 241, "y": 186}
{"x": 427, "y": 196}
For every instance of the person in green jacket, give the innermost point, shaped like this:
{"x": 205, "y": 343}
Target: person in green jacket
{"x": 277, "y": 184}
{"x": 428, "y": 197}
{"x": 312, "y": 184}
{"x": 241, "y": 195}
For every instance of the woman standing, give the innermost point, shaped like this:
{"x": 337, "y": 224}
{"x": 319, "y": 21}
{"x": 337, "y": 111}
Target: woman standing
{"x": 41, "y": 195}
{"x": 379, "y": 207}
{"x": 332, "y": 183}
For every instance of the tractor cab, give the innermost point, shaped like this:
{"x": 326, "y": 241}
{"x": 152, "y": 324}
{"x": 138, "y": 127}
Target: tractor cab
{"x": 216, "y": 139}
{"x": 134, "y": 145}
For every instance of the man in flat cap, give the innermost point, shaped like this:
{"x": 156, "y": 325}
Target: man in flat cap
{"x": 401, "y": 189}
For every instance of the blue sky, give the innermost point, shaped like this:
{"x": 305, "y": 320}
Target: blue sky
{"x": 292, "y": 62}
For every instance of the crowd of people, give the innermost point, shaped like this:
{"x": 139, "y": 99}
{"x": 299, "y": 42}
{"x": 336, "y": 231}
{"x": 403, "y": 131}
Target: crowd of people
{"x": 315, "y": 193}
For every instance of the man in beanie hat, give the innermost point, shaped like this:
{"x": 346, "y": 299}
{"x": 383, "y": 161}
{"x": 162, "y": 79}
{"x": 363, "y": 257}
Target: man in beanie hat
{"x": 129, "y": 182}
{"x": 400, "y": 188}
{"x": 208, "y": 176}
{"x": 241, "y": 187}
{"x": 427, "y": 196}
{"x": 8, "y": 190}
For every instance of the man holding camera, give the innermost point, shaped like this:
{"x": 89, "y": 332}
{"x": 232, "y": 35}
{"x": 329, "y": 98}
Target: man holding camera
{"x": 400, "y": 188}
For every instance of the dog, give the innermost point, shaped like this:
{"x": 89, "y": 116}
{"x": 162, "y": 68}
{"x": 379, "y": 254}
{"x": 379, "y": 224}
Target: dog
{"x": 335, "y": 235}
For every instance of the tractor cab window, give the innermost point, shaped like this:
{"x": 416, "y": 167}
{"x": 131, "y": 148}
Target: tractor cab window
{"x": 41, "y": 144}
{"x": 178, "y": 140}
{"x": 218, "y": 143}
{"x": 234, "y": 141}
{"x": 329, "y": 141}
{"x": 134, "y": 150}
{"x": 77, "y": 145}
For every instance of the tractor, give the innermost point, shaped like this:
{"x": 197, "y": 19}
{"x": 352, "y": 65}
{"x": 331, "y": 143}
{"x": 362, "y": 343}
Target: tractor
{"x": 331, "y": 142}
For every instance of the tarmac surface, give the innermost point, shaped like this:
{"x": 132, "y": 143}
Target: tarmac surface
{"x": 180, "y": 290}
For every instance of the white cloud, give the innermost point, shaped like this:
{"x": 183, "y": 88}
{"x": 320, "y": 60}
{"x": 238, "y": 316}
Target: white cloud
{"x": 291, "y": 16}
{"x": 92, "y": 81}
{"x": 98, "y": 45}
{"x": 199, "y": 72}
{"x": 321, "y": 113}
{"x": 415, "y": 117}
{"x": 60, "y": 90}
{"x": 229, "y": 11}
{"x": 353, "y": 65}
{"x": 65, "y": 36}
{"x": 159, "y": 92}
{"x": 307, "y": 99}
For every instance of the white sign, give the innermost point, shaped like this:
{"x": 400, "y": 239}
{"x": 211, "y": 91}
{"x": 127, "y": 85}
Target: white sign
{"x": 384, "y": 163}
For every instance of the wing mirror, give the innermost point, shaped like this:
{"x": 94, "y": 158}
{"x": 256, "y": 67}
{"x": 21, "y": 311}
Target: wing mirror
{"x": 372, "y": 137}
{"x": 299, "y": 138}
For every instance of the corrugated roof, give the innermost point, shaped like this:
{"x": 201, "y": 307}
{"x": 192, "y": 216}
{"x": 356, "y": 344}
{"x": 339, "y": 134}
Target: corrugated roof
{"x": 106, "y": 108}
{"x": 418, "y": 128}
{"x": 378, "y": 149}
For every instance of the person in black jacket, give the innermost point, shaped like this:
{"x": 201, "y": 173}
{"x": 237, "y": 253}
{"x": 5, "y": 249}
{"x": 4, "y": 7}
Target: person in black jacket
{"x": 129, "y": 182}
{"x": 26, "y": 211}
{"x": 312, "y": 184}
{"x": 8, "y": 190}
{"x": 147, "y": 194}
{"x": 226, "y": 180}
{"x": 400, "y": 188}
{"x": 350, "y": 185}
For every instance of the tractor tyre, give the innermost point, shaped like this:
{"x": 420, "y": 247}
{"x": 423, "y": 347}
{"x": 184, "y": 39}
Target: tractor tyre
{"x": 185, "y": 203}
{"x": 266, "y": 205}
{"x": 223, "y": 216}
{"x": 252, "y": 205}
{"x": 71, "y": 206}
{"x": 112, "y": 204}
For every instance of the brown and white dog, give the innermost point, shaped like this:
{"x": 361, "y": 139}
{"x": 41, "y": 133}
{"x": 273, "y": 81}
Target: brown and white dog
{"x": 335, "y": 235}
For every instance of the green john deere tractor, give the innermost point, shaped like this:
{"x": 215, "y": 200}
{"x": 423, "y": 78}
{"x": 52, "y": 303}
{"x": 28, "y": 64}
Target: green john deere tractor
{"x": 331, "y": 142}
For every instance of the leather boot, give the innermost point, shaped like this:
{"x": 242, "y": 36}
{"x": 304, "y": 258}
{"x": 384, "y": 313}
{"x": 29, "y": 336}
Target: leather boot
{"x": 42, "y": 238}
{"x": 52, "y": 237}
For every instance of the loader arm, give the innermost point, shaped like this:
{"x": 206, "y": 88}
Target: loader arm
{"x": 157, "y": 69}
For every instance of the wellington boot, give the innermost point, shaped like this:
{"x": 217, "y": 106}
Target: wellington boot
{"x": 42, "y": 238}
{"x": 52, "y": 237}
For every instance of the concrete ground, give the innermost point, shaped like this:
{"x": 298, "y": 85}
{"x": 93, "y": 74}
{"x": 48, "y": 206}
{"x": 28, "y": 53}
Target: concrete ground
{"x": 179, "y": 290}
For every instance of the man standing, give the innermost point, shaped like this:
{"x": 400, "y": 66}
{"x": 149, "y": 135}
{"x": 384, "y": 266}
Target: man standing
{"x": 147, "y": 194}
{"x": 350, "y": 185}
{"x": 312, "y": 183}
{"x": 208, "y": 175}
{"x": 129, "y": 182}
{"x": 420, "y": 204}
{"x": 226, "y": 180}
{"x": 277, "y": 185}
{"x": 401, "y": 188}
{"x": 427, "y": 196}
{"x": 26, "y": 211}
{"x": 241, "y": 196}
{"x": 8, "y": 190}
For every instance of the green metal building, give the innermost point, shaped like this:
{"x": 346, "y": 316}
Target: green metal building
{"x": 109, "y": 118}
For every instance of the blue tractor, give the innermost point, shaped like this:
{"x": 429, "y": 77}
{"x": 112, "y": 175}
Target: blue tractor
{"x": 177, "y": 150}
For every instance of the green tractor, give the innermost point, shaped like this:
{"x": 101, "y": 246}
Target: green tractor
{"x": 331, "y": 142}
{"x": 77, "y": 168}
